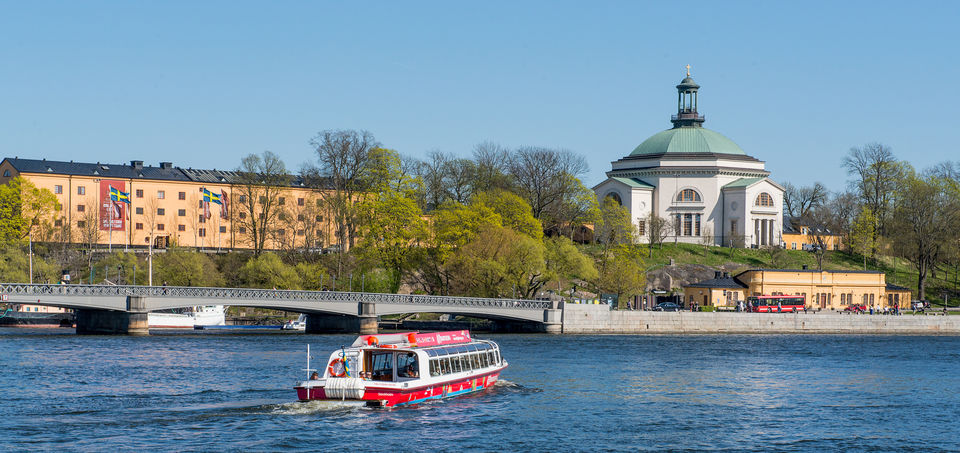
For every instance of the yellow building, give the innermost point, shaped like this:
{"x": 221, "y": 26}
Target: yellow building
{"x": 167, "y": 206}
{"x": 801, "y": 235}
{"x": 825, "y": 290}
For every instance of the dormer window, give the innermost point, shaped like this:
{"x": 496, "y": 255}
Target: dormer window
{"x": 689, "y": 196}
{"x": 764, "y": 200}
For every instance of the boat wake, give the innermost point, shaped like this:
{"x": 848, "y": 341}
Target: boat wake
{"x": 504, "y": 385}
{"x": 314, "y": 407}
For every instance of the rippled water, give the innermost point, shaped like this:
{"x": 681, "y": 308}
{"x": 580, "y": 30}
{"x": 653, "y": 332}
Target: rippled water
{"x": 201, "y": 392}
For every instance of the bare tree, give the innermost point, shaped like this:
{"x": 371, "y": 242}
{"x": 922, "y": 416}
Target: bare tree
{"x": 492, "y": 165}
{"x": 261, "y": 181}
{"x": 878, "y": 173}
{"x": 658, "y": 228}
{"x": 342, "y": 157}
{"x": 541, "y": 176}
{"x": 799, "y": 201}
{"x": 923, "y": 224}
{"x": 459, "y": 174}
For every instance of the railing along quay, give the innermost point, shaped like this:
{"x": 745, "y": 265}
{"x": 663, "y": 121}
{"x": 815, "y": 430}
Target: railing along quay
{"x": 25, "y": 289}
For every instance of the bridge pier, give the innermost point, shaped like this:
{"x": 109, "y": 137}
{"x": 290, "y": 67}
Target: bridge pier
{"x": 111, "y": 322}
{"x": 364, "y": 323}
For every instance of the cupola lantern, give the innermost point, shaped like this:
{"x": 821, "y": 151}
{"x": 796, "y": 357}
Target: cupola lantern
{"x": 687, "y": 115}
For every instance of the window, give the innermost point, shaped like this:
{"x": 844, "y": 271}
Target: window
{"x": 139, "y": 226}
{"x": 319, "y": 218}
{"x": 159, "y": 227}
{"x": 299, "y": 201}
{"x": 181, "y": 228}
{"x": 181, "y": 195}
{"x": 58, "y": 189}
{"x": 81, "y": 224}
{"x": 58, "y": 222}
{"x": 242, "y": 198}
{"x": 203, "y": 218}
{"x": 223, "y": 229}
{"x": 181, "y": 212}
{"x": 81, "y": 190}
{"x": 6, "y": 173}
{"x": 642, "y": 227}
{"x": 765, "y": 200}
{"x": 793, "y": 245}
{"x": 242, "y": 215}
{"x": 139, "y": 210}
{"x": 161, "y": 211}
{"x": 300, "y": 217}
{"x": 161, "y": 194}
{"x": 242, "y": 230}
{"x": 689, "y": 224}
{"x": 81, "y": 208}
{"x": 300, "y": 232}
{"x": 200, "y": 204}
{"x": 139, "y": 193}
{"x": 689, "y": 196}
{"x": 282, "y": 232}
{"x": 202, "y": 232}
{"x": 282, "y": 201}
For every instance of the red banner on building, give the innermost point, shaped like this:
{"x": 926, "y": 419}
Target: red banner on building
{"x": 112, "y": 213}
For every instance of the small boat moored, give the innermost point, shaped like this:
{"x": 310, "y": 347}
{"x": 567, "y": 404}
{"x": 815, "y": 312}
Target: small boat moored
{"x": 405, "y": 368}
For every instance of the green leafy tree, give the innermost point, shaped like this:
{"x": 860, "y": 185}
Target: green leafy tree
{"x": 182, "y": 267}
{"x": 923, "y": 221}
{"x": 514, "y": 212}
{"x": 26, "y": 209}
{"x": 863, "y": 234}
{"x": 566, "y": 262}
{"x": 500, "y": 262}
{"x": 392, "y": 226}
{"x": 313, "y": 276}
{"x": 268, "y": 271}
{"x": 622, "y": 275}
{"x": 15, "y": 265}
{"x": 119, "y": 267}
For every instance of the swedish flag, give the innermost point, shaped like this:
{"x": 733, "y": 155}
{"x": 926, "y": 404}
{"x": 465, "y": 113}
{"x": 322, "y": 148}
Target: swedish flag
{"x": 117, "y": 195}
{"x": 209, "y": 196}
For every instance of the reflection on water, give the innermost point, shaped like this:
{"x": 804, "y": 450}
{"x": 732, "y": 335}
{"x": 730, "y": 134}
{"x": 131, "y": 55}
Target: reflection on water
{"x": 203, "y": 391}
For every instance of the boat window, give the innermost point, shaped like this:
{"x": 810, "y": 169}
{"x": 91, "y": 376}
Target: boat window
{"x": 466, "y": 362}
{"x": 475, "y": 358}
{"x": 484, "y": 359}
{"x": 445, "y": 365}
{"x": 407, "y": 365}
{"x": 434, "y": 367}
{"x": 499, "y": 359}
{"x": 381, "y": 366}
{"x": 457, "y": 366}
{"x": 491, "y": 358}
{"x": 431, "y": 353}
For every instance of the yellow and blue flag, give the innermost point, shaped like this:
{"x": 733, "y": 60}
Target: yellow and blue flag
{"x": 117, "y": 195}
{"x": 209, "y": 196}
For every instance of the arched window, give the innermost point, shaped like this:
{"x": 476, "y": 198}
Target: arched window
{"x": 689, "y": 196}
{"x": 615, "y": 197}
{"x": 765, "y": 200}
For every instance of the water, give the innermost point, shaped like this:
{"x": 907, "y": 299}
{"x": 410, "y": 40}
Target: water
{"x": 216, "y": 391}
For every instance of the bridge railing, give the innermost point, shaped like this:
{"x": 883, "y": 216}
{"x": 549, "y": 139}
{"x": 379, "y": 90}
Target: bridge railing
{"x": 226, "y": 294}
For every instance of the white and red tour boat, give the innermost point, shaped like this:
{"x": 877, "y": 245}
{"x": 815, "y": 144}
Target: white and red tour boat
{"x": 405, "y": 368}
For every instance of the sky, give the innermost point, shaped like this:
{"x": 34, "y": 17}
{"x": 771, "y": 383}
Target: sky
{"x": 204, "y": 83}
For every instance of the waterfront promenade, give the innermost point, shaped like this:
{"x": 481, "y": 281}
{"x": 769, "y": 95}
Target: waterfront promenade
{"x": 599, "y": 319}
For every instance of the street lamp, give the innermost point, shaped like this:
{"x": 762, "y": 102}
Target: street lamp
{"x": 119, "y": 271}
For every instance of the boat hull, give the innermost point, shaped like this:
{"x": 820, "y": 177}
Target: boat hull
{"x": 390, "y": 396}
{"x": 162, "y": 320}
{"x": 31, "y": 319}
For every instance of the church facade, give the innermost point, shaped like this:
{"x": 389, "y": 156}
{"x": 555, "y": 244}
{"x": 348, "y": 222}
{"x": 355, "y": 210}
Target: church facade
{"x": 704, "y": 186}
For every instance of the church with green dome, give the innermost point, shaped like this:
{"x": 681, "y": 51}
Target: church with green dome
{"x": 706, "y": 188}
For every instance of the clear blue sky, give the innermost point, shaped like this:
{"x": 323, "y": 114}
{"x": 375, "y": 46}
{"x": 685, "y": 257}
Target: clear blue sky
{"x": 204, "y": 83}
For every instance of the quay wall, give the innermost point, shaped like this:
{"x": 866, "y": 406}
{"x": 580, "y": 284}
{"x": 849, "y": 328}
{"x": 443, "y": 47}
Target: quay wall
{"x": 599, "y": 319}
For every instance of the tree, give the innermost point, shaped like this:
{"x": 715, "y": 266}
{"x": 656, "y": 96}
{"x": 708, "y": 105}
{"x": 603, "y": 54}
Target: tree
{"x": 657, "y": 229}
{"x": 799, "y": 201}
{"x": 566, "y": 262}
{"x": 392, "y": 227}
{"x": 614, "y": 226}
{"x": 541, "y": 178}
{"x": 492, "y": 167}
{"x": 14, "y": 266}
{"x": 261, "y": 181}
{"x": 499, "y": 262}
{"x": 923, "y": 220}
{"x": 878, "y": 173}
{"x": 342, "y": 166}
{"x": 183, "y": 267}
{"x": 622, "y": 275}
{"x": 862, "y": 234}
{"x": 268, "y": 271}
{"x": 26, "y": 209}
{"x": 514, "y": 212}
{"x": 578, "y": 207}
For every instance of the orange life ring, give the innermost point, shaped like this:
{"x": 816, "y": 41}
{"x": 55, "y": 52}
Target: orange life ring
{"x": 373, "y": 341}
{"x": 391, "y": 346}
{"x": 337, "y": 371}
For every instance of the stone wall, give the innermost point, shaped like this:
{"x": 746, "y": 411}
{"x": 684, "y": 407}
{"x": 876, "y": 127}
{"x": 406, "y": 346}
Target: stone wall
{"x": 599, "y": 319}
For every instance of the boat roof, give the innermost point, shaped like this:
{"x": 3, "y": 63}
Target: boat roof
{"x": 414, "y": 339}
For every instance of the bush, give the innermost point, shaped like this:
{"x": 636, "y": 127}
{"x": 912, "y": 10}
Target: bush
{"x": 708, "y": 308}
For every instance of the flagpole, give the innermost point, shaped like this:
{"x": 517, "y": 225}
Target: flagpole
{"x": 110, "y": 247}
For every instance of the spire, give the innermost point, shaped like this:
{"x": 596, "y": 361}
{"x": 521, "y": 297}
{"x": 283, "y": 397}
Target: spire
{"x": 687, "y": 115}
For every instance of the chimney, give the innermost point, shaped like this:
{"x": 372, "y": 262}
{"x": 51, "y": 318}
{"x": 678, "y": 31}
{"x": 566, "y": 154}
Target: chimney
{"x": 166, "y": 165}
{"x": 726, "y": 275}
{"x": 804, "y": 267}
{"x": 136, "y": 164}
{"x": 716, "y": 275}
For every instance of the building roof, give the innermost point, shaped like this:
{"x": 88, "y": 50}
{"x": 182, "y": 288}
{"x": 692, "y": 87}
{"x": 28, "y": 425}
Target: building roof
{"x": 682, "y": 140}
{"x": 892, "y": 287}
{"x": 810, "y": 270}
{"x": 791, "y": 225}
{"x": 134, "y": 170}
{"x": 742, "y": 183}
{"x": 632, "y": 182}
{"x": 724, "y": 282}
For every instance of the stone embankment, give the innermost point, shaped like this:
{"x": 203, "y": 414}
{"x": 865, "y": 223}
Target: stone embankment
{"x": 598, "y": 319}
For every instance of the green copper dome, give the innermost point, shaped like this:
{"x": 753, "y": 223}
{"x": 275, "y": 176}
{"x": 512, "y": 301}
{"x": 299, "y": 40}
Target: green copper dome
{"x": 687, "y": 140}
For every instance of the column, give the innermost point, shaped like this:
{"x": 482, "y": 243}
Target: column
{"x": 770, "y": 229}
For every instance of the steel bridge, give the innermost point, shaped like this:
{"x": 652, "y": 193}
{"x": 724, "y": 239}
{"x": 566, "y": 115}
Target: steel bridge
{"x": 363, "y": 306}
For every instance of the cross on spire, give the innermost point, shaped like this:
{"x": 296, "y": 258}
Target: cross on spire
{"x": 688, "y": 70}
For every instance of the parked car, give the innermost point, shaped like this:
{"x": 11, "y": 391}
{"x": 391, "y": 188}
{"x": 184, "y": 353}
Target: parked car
{"x": 856, "y": 308}
{"x": 666, "y": 306}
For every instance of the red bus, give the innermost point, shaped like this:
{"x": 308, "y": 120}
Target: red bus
{"x": 776, "y": 304}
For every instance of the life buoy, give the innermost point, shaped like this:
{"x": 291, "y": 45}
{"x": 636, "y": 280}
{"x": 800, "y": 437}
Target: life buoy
{"x": 373, "y": 341}
{"x": 337, "y": 368}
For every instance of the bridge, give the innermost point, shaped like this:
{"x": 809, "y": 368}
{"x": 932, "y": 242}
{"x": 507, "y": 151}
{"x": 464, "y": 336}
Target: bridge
{"x": 104, "y": 309}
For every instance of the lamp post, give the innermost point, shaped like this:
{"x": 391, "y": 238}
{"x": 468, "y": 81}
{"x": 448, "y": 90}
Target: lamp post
{"x": 31, "y": 254}
{"x": 119, "y": 271}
